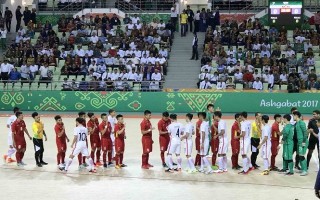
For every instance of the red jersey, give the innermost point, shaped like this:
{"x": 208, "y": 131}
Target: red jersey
{"x": 235, "y": 131}
{"x": 94, "y": 125}
{"x": 213, "y": 131}
{"x": 146, "y": 125}
{"x": 18, "y": 128}
{"x": 117, "y": 128}
{"x": 102, "y": 126}
{"x": 198, "y": 124}
{"x": 163, "y": 125}
{"x": 58, "y": 128}
{"x": 274, "y": 131}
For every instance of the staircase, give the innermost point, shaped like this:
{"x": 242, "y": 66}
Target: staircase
{"x": 183, "y": 72}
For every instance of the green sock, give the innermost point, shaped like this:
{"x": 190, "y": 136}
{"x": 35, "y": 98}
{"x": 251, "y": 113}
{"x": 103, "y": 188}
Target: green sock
{"x": 303, "y": 165}
{"x": 285, "y": 164}
{"x": 291, "y": 167}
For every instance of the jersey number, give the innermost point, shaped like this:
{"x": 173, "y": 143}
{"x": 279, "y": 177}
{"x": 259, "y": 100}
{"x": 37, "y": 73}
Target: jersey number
{"x": 178, "y": 133}
{"x": 82, "y": 136}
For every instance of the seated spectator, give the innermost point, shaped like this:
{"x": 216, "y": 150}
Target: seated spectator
{"x": 14, "y": 76}
{"x": 221, "y": 85}
{"x": 109, "y": 84}
{"x": 73, "y": 70}
{"x": 293, "y": 85}
{"x": 265, "y": 76}
{"x": 154, "y": 86}
{"x": 45, "y": 75}
{"x": 66, "y": 85}
{"x": 247, "y": 80}
{"x": 213, "y": 78}
{"x": 230, "y": 84}
{"x": 257, "y": 84}
{"x": 83, "y": 85}
{"x": 238, "y": 77}
{"x": 205, "y": 84}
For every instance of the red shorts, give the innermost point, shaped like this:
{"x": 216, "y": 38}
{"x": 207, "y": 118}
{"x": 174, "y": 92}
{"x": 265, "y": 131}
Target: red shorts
{"x": 235, "y": 145}
{"x": 62, "y": 146}
{"x": 214, "y": 145}
{"x": 106, "y": 144}
{"x": 20, "y": 144}
{"x": 164, "y": 142}
{"x": 146, "y": 144}
{"x": 119, "y": 145}
{"x": 197, "y": 142}
{"x": 95, "y": 141}
{"x": 274, "y": 147}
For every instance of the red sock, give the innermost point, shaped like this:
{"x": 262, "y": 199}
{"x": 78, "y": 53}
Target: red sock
{"x": 273, "y": 161}
{"x": 80, "y": 158}
{"x": 98, "y": 155}
{"x": 121, "y": 158}
{"x": 92, "y": 155}
{"x": 144, "y": 158}
{"x": 21, "y": 155}
{"x": 58, "y": 158}
{"x": 197, "y": 160}
{"x": 18, "y": 157}
{"x": 109, "y": 156}
{"x": 63, "y": 155}
{"x": 104, "y": 157}
{"x": 233, "y": 160}
{"x": 117, "y": 159}
{"x": 147, "y": 159}
{"x": 83, "y": 159}
{"x": 214, "y": 158}
{"x": 162, "y": 157}
{"x": 237, "y": 159}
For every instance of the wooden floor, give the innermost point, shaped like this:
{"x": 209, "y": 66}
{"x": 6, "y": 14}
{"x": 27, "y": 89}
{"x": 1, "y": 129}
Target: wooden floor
{"x": 132, "y": 182}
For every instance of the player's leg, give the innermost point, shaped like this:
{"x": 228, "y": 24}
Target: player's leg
{"x": 11, "y": 149}
{"x": 98, "y": 151}
{"x": 274, "y": 153}
{"x": 113, "y": 152}
{"x": 169, "y": 161}
{"x": 84, "y": 151}
{"x": 214, "y": 149}
{"x": 295, "y": 149}
{"x": 177, "y": 152}
{"x": 122, "y": 147}
{"x": 303, "y": 162}
{"x": 41, "y": 152}
{"x": 198, "y": 157}
{"x": 93, "y": 147}
{"x": 234, "y": 155}
{"x": 163, "y": 148}
{"x": 144, "y": 163}
{"x": 36, "y": 151}
{"x": 205, "y": 160}
{"x": 149, "y": 149}
{"x": 69, "y": 161}
{"x": 255, "y": 151}
{"x": 311, "y": 147}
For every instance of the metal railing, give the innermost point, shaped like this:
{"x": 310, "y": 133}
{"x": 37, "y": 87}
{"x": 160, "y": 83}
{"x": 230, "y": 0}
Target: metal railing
{"x": 49, "y": 85}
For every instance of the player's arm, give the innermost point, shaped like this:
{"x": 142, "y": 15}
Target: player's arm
{"x": 58, "y": 132}
{"x": 103, "y": 129}
{"x": 265, "y": 138}
{"x": 120, "y": 131}
{"x": 160, "y": 129}
{"x": 144, "y": 131}
{"x": 27, "y": 132}
{"x": 75, "y": 138}
{"x": 90, "y": 130}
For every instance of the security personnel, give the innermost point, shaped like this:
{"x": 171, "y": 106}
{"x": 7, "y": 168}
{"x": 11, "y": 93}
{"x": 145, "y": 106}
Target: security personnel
{"x": 195, "y": 54}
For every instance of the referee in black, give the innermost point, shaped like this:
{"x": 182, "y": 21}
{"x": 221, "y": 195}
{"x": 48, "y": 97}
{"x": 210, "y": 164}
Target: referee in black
{"x": 38, "y": 134}
{"x": 313, "y": 140}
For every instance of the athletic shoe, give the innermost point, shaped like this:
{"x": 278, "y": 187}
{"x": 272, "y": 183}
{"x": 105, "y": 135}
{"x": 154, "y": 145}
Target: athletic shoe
{"x": 289, "y": 173}
{"x": 123, "y": 165}
{"x": 210, "y": 171}
{"x": 10, "y": 160}
{"x": 81, "y": 167}
{"x": 5, "y": 157}
{"x": 282, "y": 171}
{"x": 93, "y": 171}
{"x": 22, "y": 163}
{"x": 19, "y": 164}
{"x": 218, "y": 171}
{"x": 145, "y": 167}
{"x": 85, "y": 165}
{"x": 304, "y": 173}
{"x": 299, "y": 171}
{"x": 235, "y": 168}
{"x": 105, "y": 165}
{"x": 174, "y": 163}
{"x": 99, "y": 163}
{"x": 201, "y": 170}
{"x": 149, "y": 165}
{"x": 256, "y": 166}
{"x": 110, "y": 163}
{"x": 39, "y": 164}
{"x": 61, "y": 168}
{"x": 177, "y": 170}
{"x": 265, "y": 172}
{"x": 274, "y": 169}
{"x": 43, "y": 163}
{"x": 225, "y": 170}
{"x": 117, "y": 167}
{"x": 214, "y": 167}
{"x": 192, "y": 171}
{"x": 239, "y": 166}
{"x": 169, "y": 170}
{"x": 297, "y": 167}
{"x": 60, "y": 165}
{"x": 251, "y": 169}
{"x": 164, "y": 165}
{"x": 243, "y": 172}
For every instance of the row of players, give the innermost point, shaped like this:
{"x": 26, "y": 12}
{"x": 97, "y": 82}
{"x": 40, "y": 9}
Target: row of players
{"x": 112, "y": 130}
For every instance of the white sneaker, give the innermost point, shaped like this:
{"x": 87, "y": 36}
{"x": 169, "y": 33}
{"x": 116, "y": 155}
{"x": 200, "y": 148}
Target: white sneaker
{"x": 210, "y": 171}
{"x": 61, "y": 165}
{"x": 225, "y": 170}
{"x": 22, "y": 163}
{"x": 192, "y": 171}
{"x": 218, "y": 171}
{"x": 201, "y": 170}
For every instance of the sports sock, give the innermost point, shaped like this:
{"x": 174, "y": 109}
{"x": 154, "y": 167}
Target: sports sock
{"x": 104, "y": 157}
{"x": 92, "y": 155}
{"x": 303, "y": 164}
{"x": 11, "y": 151}
{"x": 273, "y": 161}
{"x": 249, "y": 163}
{"x": 191, "y": 163}
{"x": 68, "y": 164}
{"x": 83, "y": 159}
{"x": 117, "y": 159}
{"x": 18, "y": 157}
{"x": 90, "y": 163}
{"x": 290, "y": 164}
{"x": 148, "y": 159}
{"x": 162, "y": 157}
{"x": 98, "y": 155}
{"x": 144, "y": 159}
{"x": 206, "y": 162}
{"x": 225, "y": 162}
{"x": 121, "y": 158}
{"x": 266, "y": 164}
{"x": 179, "y": 161}
{"x": 220, "y": 162}
{"x": 58, "y": 158}
{"x": 63, "y": 155}
{"x": 308, "y": 159}
{"x": 285, "y": 164}
{"x": 169, "y": 161}
{"x": 245, "y": 164}
{"x": 21, "y": 155}
{"x": 113, "y": 152}
{"x": 202, "y": 163}
{"x": 233, "y": 160}
{"x": 80, "y": 158}
{"x": 198, "y": 160}
{"x": 109, "y": 156}
{"x": 214, "y": 158}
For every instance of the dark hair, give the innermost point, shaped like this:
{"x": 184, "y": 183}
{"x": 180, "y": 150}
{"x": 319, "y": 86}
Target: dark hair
{"x": 103, "y": 114}
{"x": 276, "y": 116}
{"x": 203, "y": 114}
{"x": 210, "y": 105}
{"x": 297, "y": 113}
{"x": 165, "y": 114}
{"x": 34, "y": 114}
{"x": 237, "y": 115}
{"x": 111, "y": 111}
{"x": 218, "y": 114}
{"x": 81, "y": 113}
{"x": 16, "y": 109}
{"x": 118, "y": 116}
{"x": 190, "y": 116}
{"x": 90, "y": 115}
{"x": 244, "y": 114}
{"x": 317, "y": 112}
{"x": 256, "y": 114}
{"x": 57, "y": 117}
{"x": 79, "y": 120}
{"x": 18, "y": 113}
{"x": 173, "y": 116}
{"x": 293, "y": 109}
{"x": 287, "y": 116}
{"x": 147, "y": 112}
{"x": 265, "y": 118}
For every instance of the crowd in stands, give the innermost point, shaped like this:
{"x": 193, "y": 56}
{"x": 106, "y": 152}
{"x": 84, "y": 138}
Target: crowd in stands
{"x": 106, "y": 54}
{"x": 253, "y": 56}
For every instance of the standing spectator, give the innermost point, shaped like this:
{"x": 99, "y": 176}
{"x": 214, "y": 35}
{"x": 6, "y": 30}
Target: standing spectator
{"x": 190, "y": 14}
{"x": 5, "y": 69}
{"x": 19, "y": 15}
{"x": 33, "y": 16}
{"x": 174, "y": 17}
{"x": 8, "y": 18}
{"x": 195, "y": 54}
{"x": 197, "y": 21}
{"x": 216, "y": 19}
{"x": 184, "y": 23}
{"x": 115, "y": 21}
{"x": 26, "y": 16}
{"x": 317, "y": 21}
{"x": 3, "y": 38}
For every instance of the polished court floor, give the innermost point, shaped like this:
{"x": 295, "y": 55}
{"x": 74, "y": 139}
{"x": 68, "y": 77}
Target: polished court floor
{"x": 30, "y": 182}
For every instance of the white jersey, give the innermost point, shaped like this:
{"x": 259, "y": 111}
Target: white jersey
{"x": 222, "y": 125}
{"x": 292, "y": 120}
{"x": 112, "y": 121}
{"x": 204, "y": 128}
{"x": 81, "y": 132}
{"x": 175, "y": 129}
{"x": 246, "y": 127}
{"x": 189, "y": 128}
{"x": 266, "y": 132}
{"x": 11, "y": 119}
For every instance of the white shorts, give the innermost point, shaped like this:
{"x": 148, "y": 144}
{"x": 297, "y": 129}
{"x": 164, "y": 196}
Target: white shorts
{"x": 174, "y": 147}
{"x": 266, "y": 151}
{"x": 223, "y": 146}
{"x": 112, "y": 138}
{"x": 245, "y": 147}
{"x": 10, "y": 142}
{"x": 188, "y": 145}
{"x": 205, "y": 150}
{"x": 81, "y": 148}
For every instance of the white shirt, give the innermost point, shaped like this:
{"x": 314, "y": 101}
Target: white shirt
{"x": 6, "y": 67}
{"x": 283, "y": 77}
{"x": 205, "y": 85}
{"x": 266, "y": 132}
{"x": 175, "y": 130}
{"x": 222, "y": 125}
{"x": 34, "y": 68}
{"x": 80, "y": 52}
{"x": 246, "y": 127}
{"x": 257, "y": 85}
{"x": 112, "y": 121}
{"x": 135, "y": 19}
{"x": 204, "y": 127}
{"x": 3, "y": 34}
{"x": 11, "y": 119}
{"x": 94, "y": 39}
{"x": 271, "y": 79}
{"x": 206, "y": 67}
{"x": 114, "y": 76}
{"x": 290, "y": 53}
{"x": 221, "y": 85}
{"x": 81, "y": 133}
{"x": 292, "y": 120}
{"x": 238, "y": 76}
{"x": 156, "y": 77}
{"x": 189, "y": 129}
{"x": 44, "y": 71}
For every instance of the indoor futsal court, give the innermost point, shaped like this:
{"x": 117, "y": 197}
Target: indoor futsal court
{"x": 132, "y": 182}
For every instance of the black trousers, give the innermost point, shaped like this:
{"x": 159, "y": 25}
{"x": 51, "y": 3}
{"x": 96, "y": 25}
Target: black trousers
{"x": 196, "y": 26}
{"x": 8, "y": 24}
{"x": 195, "y": 53}
{"x": 174, "y": 21}
{"x": 18, "y": 24}
{"x": 4, "y": 77}
{"x": 254, "y": 143}
{"x": 190, "y": 27}
{"x": 38, "y": 148}
{"x": 295, "y": 149}
{"x": 45, "y": 80}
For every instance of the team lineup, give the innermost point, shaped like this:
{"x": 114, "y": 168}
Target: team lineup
{"x": 107, "y": 137}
